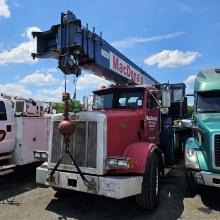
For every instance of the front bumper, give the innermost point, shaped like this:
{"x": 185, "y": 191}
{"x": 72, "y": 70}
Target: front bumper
{"x": 207, "y": 178}
{"x": 117, "y": 187}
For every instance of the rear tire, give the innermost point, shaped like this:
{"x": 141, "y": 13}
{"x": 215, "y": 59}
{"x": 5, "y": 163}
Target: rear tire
{"x": 149, "y": 197}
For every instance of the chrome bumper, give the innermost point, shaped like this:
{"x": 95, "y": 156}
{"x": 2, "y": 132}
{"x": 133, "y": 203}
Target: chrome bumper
{"x": 207, "y": 178}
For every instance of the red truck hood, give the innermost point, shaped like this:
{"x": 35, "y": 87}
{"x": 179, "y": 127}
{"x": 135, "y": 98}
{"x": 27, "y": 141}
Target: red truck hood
{"x": 122, "y": 129}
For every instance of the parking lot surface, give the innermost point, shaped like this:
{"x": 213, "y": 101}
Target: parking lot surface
{"x": 22, "y": 199}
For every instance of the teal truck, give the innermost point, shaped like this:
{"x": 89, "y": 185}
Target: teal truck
{"x": 202, "y": 151}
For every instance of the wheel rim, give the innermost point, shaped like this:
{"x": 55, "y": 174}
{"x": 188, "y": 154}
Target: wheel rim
{"x": 157, "y": 181}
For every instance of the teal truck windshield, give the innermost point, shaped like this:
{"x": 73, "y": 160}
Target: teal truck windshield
{"x": 118, "y": 99}
{"x": 208, "y": 102}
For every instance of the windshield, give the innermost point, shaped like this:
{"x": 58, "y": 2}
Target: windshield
{"x": 177, "y": 94}
{"x": 118, "y": 99}
{"x": 3, "y": 115}
{"x": 208, "y": 101}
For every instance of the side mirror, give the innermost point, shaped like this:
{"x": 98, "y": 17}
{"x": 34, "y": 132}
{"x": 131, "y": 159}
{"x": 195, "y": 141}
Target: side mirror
{"x": 85, "y": 103}
{"x": 166, "y": 98}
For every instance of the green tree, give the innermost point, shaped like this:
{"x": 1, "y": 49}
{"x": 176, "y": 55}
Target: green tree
{"x": 59, "y": 106}
{"x": 190, "y": 110}
{"x": 74, "y": 106}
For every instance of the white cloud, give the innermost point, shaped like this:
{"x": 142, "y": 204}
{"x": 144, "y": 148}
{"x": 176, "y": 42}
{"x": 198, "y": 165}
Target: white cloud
{"x": 4, "y": 9}
{"x": 190, "y": 79}
{"x": 172, "y": 58}
{"x": 15, "y": 89}
{"x": 21, "y": 53}
{"x": 88, "y": 81}
{"x": 91, "y": 81}
{"x": 50, "y": 95}
{"x": 189, "y": 90}
{"x": 129, "y": 42}
{"x": 40, "y": 77}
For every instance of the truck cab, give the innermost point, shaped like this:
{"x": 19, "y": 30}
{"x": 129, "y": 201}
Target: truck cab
{"x": 133, "y": 109}
{"x": 7, "y": 128}
{"x": 202, "y": 151}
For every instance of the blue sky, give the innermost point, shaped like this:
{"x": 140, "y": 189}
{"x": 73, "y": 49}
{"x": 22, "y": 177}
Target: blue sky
{"x": 171, "y": 40}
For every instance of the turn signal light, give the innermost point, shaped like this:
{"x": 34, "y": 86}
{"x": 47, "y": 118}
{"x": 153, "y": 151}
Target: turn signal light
{"x": 2, "y": 135}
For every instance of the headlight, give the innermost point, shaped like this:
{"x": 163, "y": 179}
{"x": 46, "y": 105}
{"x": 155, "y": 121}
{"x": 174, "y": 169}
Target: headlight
{"x": 191, "y": 159}
{"x": 113, "y": 163}
{"x": 198, "y": 133}
{"x": 40, "y": 155}
{"x": 200, "y": 138}
{"x": 44, "y": 155}
{"x": 123, "y": 164}
{"x": 36, "y": 155}
{"x": 120, "y": 163}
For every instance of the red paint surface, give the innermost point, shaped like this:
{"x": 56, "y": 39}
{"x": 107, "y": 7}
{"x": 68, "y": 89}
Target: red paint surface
{"x": 139, "y": 152}
{"x": 122, "y": 129}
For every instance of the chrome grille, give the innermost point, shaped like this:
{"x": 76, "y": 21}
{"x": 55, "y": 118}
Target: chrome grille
{"x": 83, "y": 144}
{"x": 217, "y": 150}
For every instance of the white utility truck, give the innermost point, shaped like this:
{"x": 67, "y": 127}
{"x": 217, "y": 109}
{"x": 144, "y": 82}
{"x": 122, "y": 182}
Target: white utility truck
{"x": 23, "y": 130}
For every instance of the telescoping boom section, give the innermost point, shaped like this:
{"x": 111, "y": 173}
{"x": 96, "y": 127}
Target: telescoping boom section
{"x": 77, "y": 48}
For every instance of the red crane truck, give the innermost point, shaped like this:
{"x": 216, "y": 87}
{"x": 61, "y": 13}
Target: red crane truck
{"x": 122, "y": 146}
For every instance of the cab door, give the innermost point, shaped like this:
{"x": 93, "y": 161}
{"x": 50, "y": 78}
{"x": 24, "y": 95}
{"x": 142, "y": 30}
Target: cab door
{"x": 152, "y": 117}
{"x": 7, "y": 127}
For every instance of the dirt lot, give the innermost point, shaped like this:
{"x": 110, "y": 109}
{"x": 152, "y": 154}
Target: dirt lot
{"x": 22, "y": 199}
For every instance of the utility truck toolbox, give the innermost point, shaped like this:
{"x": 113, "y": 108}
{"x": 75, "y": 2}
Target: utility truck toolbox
{"x": 32, "y": 134}
{"x": 28, "y": 107}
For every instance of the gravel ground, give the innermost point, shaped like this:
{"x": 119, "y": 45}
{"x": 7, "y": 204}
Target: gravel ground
{"x": 22, "y": 199}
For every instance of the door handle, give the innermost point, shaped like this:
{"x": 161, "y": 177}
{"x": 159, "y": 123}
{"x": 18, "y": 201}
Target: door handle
{"x": 8, "y": 128}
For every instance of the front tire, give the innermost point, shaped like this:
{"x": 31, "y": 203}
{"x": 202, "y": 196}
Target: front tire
{"x": 149, "y": 197}
{"x": 191, "y": 182}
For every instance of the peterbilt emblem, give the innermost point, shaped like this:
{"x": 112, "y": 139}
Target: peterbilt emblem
{"x": 123, "y": 125}
{"x": 74, "y": 117}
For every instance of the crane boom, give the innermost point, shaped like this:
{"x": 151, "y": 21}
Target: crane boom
{"x": 76, "y": 48}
